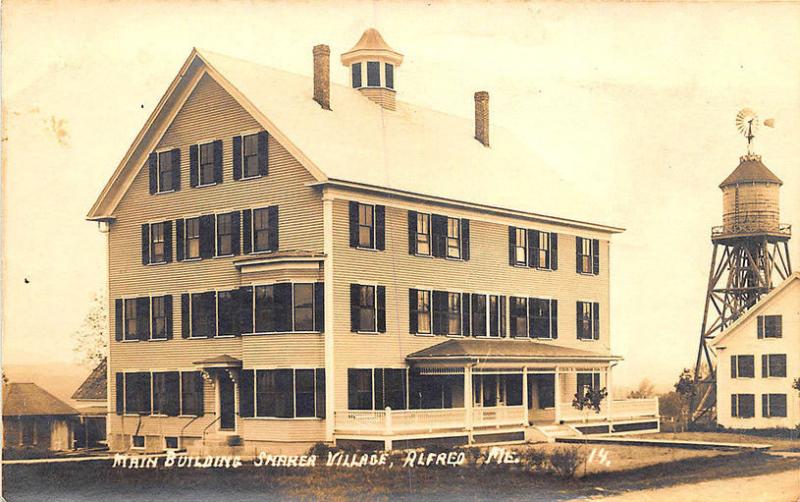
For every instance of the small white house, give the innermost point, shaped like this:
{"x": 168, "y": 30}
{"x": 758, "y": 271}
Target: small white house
{"x": 758, "y": 359}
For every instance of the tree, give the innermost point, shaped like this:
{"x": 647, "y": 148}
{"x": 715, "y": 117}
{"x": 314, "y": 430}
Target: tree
{"x": 91, "y": 339}
{"x": 644, "y": 391}
{"x": 686, "y": 390}
{"x": 796, "y": 385}
{"x": 589, "y": 398}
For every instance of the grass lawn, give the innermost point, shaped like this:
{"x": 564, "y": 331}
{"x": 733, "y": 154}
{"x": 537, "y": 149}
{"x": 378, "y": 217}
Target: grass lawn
{"x": 779, "y": 443}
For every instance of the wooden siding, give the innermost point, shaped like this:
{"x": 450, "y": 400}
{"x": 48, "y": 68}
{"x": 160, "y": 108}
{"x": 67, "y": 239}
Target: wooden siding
{"x": 487, "y": 271}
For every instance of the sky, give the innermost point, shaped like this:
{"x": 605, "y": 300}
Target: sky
{"x": 632, "y": 101}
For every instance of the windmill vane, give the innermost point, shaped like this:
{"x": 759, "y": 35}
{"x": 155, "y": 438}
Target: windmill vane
{"x": 747, "y": 123}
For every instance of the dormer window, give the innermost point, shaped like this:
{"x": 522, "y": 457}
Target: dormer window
{"x": 356, "y": 68}
{"x": 389, "y": 75}
{"x": 373, "y": 74}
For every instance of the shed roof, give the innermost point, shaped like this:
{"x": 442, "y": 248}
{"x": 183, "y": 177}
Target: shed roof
{"x": 470, "y": 348}
{"x": 28, "y": 399}
{"x": 94, "y": 387}
{"x": 750, "y": 170}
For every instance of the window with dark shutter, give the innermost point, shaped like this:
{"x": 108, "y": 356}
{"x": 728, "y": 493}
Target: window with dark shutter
{"x": 263, "y": 153}
{"x": 319, "y": 306}
{"x": 273, "y": 308}
{"x": 478, "y": 310}
{"x": 194, "y": 166}
{"x": 207, "y": 235}
{"x": 381, "y": 308}
{"x": 245, "y": 310}
{"x": 596, "y": 321}
{"x": 359, "y": 389}
{"x": 186, "y": 321}
{"x": 389, "y": 75}
{"x": 166, "y": 393}
{"x": 734, "y": 405}
{"x": 733, "y": 367}
{"x": 453, "y": 238}
{"x": 137, "y": 393}
{"x": 413, "y": 311}
{"x": 353, "y": 220}
{"x": 466, "y": 316}
{"x": 373, "y": 73}
{"x": 495, "y": 316}
{"x": 464, "y": 239}
{"x": 191, "y": 393}
{"x": 152, "y": 168}
{"x": 583, "y": 320}
{"x": 118, "y": 320}
{"x": 440, "y": 314}
{"x": 247, "y": 394}
{"x": 773, "y": 326}
{"x": 227, "y": 233}
{"x": 206, "y": 164}
{"x": 218, "y": 161}
{"x": 168, "y": 171}
{"x": 519, "y": 316}
{"x": 541, "y": 317}
{"x": 236, "y": 145}
{"x": 363, "y": 308}
{"x": 553, "y": 251}
{"x": 228, "y": 313}
{"x": 143, "y": 318}
{"x": 380, "y": 227}
{"x": 304, "y": 402}
{"x": 119, "y": 392}
{"x": 145, "y": 244}
{"x": 319, "y": 386}
{"x": 275, "y": 393}
{"x": 439, "y": 235}
{"x": 204, "y": 314}
{"x": 533, "y": 248}
{"x": 158, "y": 312}
{"x": 595, "y": 256}
{"x": 412, "y": 232}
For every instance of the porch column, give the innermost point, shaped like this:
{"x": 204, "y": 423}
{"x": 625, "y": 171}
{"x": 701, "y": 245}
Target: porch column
{"x": 330, "y": 378}
{"x": 557, "y": 392}
{"x": 610, "y": 397}
{"x": 525, "y": 396}
{"x": 468, "y": 399}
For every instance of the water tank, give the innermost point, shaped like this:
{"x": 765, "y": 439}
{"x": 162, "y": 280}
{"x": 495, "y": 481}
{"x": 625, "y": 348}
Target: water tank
{"x": 750, "y": 199}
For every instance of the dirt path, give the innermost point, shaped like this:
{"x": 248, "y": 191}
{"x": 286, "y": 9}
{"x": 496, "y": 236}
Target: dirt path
{"x": 777, "y": 487}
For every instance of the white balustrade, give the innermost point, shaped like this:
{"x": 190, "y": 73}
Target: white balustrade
{"x": 424, "y": 420}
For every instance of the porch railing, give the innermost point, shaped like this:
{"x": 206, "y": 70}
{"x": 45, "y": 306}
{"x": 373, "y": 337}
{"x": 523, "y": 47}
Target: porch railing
{"x": 499, "y": 415}
{"x": 621, "y": 409}
{"x": 425, "y": 420}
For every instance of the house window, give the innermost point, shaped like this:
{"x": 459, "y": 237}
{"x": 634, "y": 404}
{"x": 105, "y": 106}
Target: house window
{"x": 356, "y": 72}
{"x": 204, "y": 314}
{"x": 261, "y": 230}
{"x": 453, "y": 238}
{"x": 275, "y": 393}
{"x": 227, "y": 313}
{"x": 224, "y": 234}
{"x": 520, "y": 247}
{"x": 773, "y": 405}
{"x": 585, "y": 256}
{"x": 157, "y": 246}
{"x": 366, "y": 226}
{"x": 166, "y": 393}
{"x": 171, "y": 442}
{"x": 137, "y": 393}
{"x": 304, "y": 393}
{"x": 287, "y": 307}
{"x": 587, "y": 381}
{"x": 588, "y": 320}
{"x": 192, "y": 241}
{"x": 422, "y": 312}
{"x": 773, "y": 365}
{"x": 743, "y": 405}
{"x": 544, "y": 250}
{"x": 377, "y": 388}
{"x": 373, "y": 73}
{"x": 770, "y": 326}
{"x": 359, "y": 389}
{"x": 366, "y": 308}
{"x": 166, "y": 173}
{"x": 453, "y": 313}
{"x": 191, "y": 393}
{"x": 131, "y": 328}
{"x": 742, "y": 367}
{"x": 304, "y": 307}
{"x": 479, "y": 316}
{"x": 206, "y": 170}
{"x": 496, "y": 315}
{"x": 389, "y": 75}
{"x": 159, "y": 312}
{"x": 519, "y": 316}
{"x": 137, "y": 442}
{"x": 543, "y": 318}
{"x": 250, "y": 155}
{"x": 423, "y": 234}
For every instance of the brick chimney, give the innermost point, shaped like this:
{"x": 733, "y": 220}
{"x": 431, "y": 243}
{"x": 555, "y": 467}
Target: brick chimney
{"x": 322, "y": 76}
{"x": 482, "y": 117}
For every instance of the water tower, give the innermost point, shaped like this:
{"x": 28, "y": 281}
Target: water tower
{"x": 749, "y": 258}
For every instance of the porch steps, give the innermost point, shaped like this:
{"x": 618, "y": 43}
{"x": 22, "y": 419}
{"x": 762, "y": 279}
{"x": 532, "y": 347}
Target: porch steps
{"x": 554, "y": 431}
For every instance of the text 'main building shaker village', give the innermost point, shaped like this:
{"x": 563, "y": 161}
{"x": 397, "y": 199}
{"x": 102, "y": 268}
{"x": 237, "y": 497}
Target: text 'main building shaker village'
{"x": 290, "y": 262}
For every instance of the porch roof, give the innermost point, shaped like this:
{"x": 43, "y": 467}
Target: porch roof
{"x": 221, "y": 361}
{"x": 470, "y": 349}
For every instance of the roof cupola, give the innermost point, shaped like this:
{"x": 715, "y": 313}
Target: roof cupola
{"x": 372, "y": 65}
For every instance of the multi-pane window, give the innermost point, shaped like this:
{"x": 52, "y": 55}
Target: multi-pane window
{"x": 543, "y": 318}
{"x": 287, "y": 307}
{"x": 389, "y": 75}
{"x": 377, "y": 388}
{"x": 356, "y": 72}
{"x": 453, "y": 238}
{"x": 157, "y": 243}
{"x": 366, "y": 308}
{"x": 769, "y": 326}
{"x": 773, "y": 365}
{"x": 485, "y": 315}
{"x": 226, "y": 313}
{"x": 192, "y": 238}
{"x": 453, "y": 313}
{"x": 303, "y": 307}
{"x": 373, "y": 73}
{"x": 773, "y": 405}
{"x": 479, "y": 315}
{"x": 519, "y": 316}
{"x": 203, "y": 314}
{"x": 131, "y": 326}
{"x": 743, "y": 367}
{"x": 224, "y": 234}
{"x": 250, "y": 155}
{"x": 137, "y": 393}
{"x": 743, "y": 405}
{"x": 137, "y": 441}
{"x": 206, "y": 164}
{"x": 520, "y": 246}
{"x": 261, "y": 230}
{"x": 166, "y": 173}
{"x": 496, "y": 315}
{"x": 359, "y": 389}
{"x": 585, "y": 256}
{"x": 587, "y": 381}
{"x": 544, "y": 249}
{"x": 274, "y": 393}
{"x": 166, "y": 394}
{"x": 423, "y": 311}
{"x": 283, "y": 393}
{"x": 587, "y": 320}
{"x": 191, "y": 393}
{"x": 159, "y": 312}
{"x": 366, "y": 226}
{"x": 423, "y": 233}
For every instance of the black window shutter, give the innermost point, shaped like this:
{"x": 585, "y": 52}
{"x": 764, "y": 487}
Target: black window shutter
{"x": 145, "y": 244}
{"x": 596, "y": 321}
{"x": 207, "y": 236}
{"x": 118, "y": 321}
{"x": 218, "y": 161}
{"x": 186, "y": 321}
{"x": 412, "y": 233}
{"x": 464, "y": 239}
{"x": 244, "y": 301}
{"x": 503, "y": 316}
{"x": 235, "y": 233}
{"x": 247, "y": 231}
{"x": 176, "y": 169}
{"x": 595, "y": 256}
{"x": 512, "y": 246}
{"x": 353, "y": 224}
{"x": 734, "y": 408}
{"x": 272, "y": 215}
{"x": 439, "y": 235}
{"x": 168, "y": 241}
{"x": 381, "y": 308}
{"x": 779, "y": 327}
{"x": 119, "y": 390}
{"x": 413, "y": 326}
{"x": 554, "y": 319}
{"x": 764, "y": 405}
{"x": 211, "y": 299}
{"x": 198, "y": 390}
{"x": 578, "y": 249}
{"x": 465, "y": 314}
{"x": 380, "y": 227}
{"x": 533, "y": 248}
{"x": 152, "y": 162}
{"x": 533, "y": 305}
{"x": 764, "y": 364}
{"x": 733, "y": 366}
{"x": 263, "y": 153}
{"x": 319, "y": 306}
{"x": 237, "y": 157}
{"x": 760, "y": 323}
{"x": 143, "y": 317}
{"x": 440, "y": 312}
{"x": 168, "y": 312}
{"x": 246, "y": 394}
{"x": 194, "y": 164}
{"x": 355, "y": 325}
{"x": 579, "y": 319}
{"x": 553, "y": 251}
{"x": 596, "y": 380}
{"x": 180, "y": 225}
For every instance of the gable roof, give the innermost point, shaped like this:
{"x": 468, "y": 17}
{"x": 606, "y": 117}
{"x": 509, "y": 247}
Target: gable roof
{"x": 471, "y": 348}
{"x": 28, "y": 399}
{"x": 94, "y": 387}
{"x": 413, "y": 150}
{"x": 750, "y": 170}
{"x": 765, "y": 300}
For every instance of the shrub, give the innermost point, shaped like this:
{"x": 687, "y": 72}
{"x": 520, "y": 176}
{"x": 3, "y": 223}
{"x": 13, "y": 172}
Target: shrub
{"x": 533, "y": 459}
{"x": 565, "y": 461}
{"x": 321, "y": 450}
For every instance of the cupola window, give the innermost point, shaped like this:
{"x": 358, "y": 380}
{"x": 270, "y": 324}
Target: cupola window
{"x": 373, "y": 74}
{"x": 390, "y": 75}
{"x": 356, "y": 75}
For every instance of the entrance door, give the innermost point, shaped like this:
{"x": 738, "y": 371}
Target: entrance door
{"x": 541, "y": 398}
{"x": 227, "y": 402}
